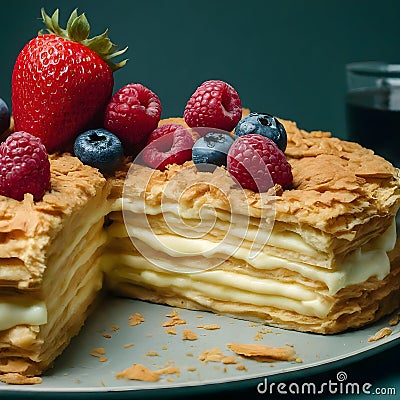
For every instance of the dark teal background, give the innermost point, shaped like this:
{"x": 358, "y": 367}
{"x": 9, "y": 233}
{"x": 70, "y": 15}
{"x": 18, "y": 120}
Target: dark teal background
{"x": 284, "y": 57}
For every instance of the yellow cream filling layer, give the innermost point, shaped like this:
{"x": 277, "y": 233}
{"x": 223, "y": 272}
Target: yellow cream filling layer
{"x": 218, "y": 285}
{"x": 367, "y": 261}
{"x": 18, "y": 312}
{"x": 235, "y": 286}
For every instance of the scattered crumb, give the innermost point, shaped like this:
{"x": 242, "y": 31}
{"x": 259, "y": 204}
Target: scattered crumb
{"x": 228, "y": 360}
{"x": 187, "y": 334}
{"x": 170, "y": 370}
{"x": 139, "y": 372}
{"x": 241, "y": 367}
{"x": 191, "y": 369}
{"x": 14, "y": 378}
{"x": 172, "y": 314}
{"x": 209, "y": 327}
{"x": 114, "y": 328}
{"x": 213, "y": 355}
{"x": 298, "y": 360}
{"x": 263, "y": 353}
{"x": 395, "y": 320}
{"x": 173, "y": 322}
{"x": 98, "y": 352}
{"x": 164, "y": 348}
{"x": 152, "y": 354}
{"x": 382, "y": 333}
{"x": 189, "y": 354}
{"x": 136, "y": 319}
{"x": 261, "y": 332}
{"x": 199, "y": 316}
{"x": 175, "y": 319}
{"x": 170, "y": 331}
{"x": 103, "y": 359}
{"x": 127, "y": 345}
{"x": 107, "y": 335}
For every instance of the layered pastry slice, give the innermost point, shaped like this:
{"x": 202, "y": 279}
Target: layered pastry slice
{"x": 319, "y": 257}
{"x": 48, "y": 267}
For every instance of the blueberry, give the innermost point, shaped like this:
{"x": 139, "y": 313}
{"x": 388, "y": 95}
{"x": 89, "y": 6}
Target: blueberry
{"x": 211, "y": 150}
{"x": 99, "y": 148}
{"x": 265, "y": 125}
{"x": 4, "y": 116}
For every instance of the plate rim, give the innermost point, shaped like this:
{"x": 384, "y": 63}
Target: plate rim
{"x": 291, "y": 372}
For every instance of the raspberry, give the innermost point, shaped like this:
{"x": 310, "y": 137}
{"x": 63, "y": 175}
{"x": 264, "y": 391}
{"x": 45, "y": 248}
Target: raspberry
{"x": 170, "y": 145}
{"x": 24, "y": 167}
{"x": 132, "y": 114}
{"x": 214, "y": 104}
{"x": 256, "y": 162}
{"x": 162, "y": 130}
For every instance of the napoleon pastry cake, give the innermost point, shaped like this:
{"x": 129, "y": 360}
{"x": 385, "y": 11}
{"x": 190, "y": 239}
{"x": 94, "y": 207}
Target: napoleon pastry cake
{"x": 222, "y": 210}
{"x": 327, "y": 262}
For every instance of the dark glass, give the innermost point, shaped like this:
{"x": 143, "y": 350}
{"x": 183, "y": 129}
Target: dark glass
{"x": 373, "y": 120}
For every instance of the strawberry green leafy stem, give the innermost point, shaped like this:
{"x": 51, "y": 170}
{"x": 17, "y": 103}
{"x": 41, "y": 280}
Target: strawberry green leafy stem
{"x": 78, "y": 30}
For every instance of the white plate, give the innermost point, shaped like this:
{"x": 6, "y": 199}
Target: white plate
{"x": 76, "y": 371}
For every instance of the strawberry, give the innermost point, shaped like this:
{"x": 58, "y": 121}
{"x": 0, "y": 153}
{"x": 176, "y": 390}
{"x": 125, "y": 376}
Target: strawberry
{"x": 62, "y": 81}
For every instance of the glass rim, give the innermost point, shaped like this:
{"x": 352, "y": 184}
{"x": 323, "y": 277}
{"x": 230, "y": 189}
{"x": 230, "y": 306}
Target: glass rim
{"x": 375, "y": 68}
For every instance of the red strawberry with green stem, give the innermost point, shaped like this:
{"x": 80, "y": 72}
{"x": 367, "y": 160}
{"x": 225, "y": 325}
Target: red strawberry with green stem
{"x": 62, "y": 81}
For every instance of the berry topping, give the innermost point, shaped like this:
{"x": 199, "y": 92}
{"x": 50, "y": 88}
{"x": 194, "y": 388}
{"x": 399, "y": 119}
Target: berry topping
{"x": 265, "y": 125}
{"x": 99, "y": 148}
{"x": 62, "y": 81}
{"x": 4, "y": 116}
{"x": 214, "y": 104}
{"x": 24, "y": 167}
{"x": 211, "y": 150}
{"x": 132, "y": 114}
{"x": 257, "y": 163}
{"x": 173, "y": 147}
{"x": 162, "y": 130}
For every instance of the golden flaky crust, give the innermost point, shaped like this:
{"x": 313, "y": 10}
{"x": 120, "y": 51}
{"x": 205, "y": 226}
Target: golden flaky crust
{"x": 41, "y": 243}
{"x": 338, "y": 185}
{"x": 27, "y": 228}
{"x": 340, "y": 189}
